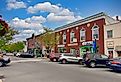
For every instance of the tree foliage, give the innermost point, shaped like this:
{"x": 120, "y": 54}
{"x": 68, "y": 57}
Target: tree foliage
{"x": 49, "y": 39}
{"x": 13, "y": 47}
{"x": 7, "y": 37}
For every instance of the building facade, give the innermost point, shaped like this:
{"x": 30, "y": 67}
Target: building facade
{"x": 113, "y": 39}
{"x": 79, "y": 36}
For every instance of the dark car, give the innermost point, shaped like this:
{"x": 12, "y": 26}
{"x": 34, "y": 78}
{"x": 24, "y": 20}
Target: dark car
{"x": 115, "y": 64}
{"x": 27, "y": 55}
{"x": 92, "y": 60}
{"x": 4, "y": 61}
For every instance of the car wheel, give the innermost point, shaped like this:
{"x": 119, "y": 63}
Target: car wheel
{"x": 64, "y": 61}
{"x": 80, "y": 62}
{"x": 54, "y": 60}
{"x": 1, "y": 64}
{"x": 92, "y": 64}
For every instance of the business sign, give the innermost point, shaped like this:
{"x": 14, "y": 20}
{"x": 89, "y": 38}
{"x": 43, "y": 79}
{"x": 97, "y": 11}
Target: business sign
{"x": 87, "y": 43}
{"x": 110, "y": 44}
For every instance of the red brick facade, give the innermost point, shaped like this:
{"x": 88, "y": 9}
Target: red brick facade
{"x": 76, "y": 29}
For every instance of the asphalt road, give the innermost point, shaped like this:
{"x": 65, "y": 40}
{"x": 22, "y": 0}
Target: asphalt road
{"x": 44, "y": 71}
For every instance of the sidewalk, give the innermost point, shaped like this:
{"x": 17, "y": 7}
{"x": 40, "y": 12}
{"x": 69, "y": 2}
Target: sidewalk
{"x": 1, "y": 77}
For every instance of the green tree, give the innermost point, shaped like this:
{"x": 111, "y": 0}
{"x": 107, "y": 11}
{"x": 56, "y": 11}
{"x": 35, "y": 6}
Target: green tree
{"x": 8, "y": 36}
{"x": 49, "y": 39}
{"x": 13, "y": 47}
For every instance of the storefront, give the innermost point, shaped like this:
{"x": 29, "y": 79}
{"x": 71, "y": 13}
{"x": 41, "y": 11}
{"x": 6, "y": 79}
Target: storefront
{"x": 118, "y": 50}
{"x": 86, "y": 46}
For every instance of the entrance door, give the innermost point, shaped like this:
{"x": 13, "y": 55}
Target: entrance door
{"x": 110, "y": 54}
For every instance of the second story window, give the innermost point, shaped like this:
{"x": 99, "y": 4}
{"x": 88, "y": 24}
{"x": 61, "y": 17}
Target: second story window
{"x": 72, "y": 35}
{"x": 95, "y": 32}
{"x": 82, "y": 35}
{"x": 64, "y": 37}
{"x": 110, "y": 34}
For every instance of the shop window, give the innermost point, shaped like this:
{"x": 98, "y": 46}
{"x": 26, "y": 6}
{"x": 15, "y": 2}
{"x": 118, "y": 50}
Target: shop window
{"x": 73, "y": 50}
{"x": 110, "y": 34}
{"x": 82, "y": 35}
{"x": 95, "y": 32}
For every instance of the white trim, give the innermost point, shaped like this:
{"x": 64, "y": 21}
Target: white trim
{"x": 98, "y": 31}
{"x": 80, "y": 23}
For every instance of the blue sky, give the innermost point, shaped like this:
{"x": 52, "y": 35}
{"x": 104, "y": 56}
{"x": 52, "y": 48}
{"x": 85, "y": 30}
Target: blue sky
{"x": 30, "y": 16}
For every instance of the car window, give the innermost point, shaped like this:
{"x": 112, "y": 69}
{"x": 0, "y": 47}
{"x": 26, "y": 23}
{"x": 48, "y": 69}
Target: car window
{"x": 104, "y": 56}
{"x": 66, "y": 54}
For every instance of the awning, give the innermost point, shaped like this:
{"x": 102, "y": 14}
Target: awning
{"x": 118, "y": 48}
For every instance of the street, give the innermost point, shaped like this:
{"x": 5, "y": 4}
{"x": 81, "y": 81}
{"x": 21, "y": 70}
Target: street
{"x": 45, "y": 71}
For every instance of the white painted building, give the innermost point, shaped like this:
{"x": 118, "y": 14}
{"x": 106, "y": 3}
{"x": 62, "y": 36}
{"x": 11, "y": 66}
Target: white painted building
{"x": 112, "y": 39}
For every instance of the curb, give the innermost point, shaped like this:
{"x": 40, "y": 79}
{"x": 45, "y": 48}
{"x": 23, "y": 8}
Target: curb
{"x": 19, "y": 61}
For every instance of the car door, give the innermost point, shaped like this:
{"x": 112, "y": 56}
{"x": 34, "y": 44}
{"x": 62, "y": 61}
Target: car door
{"x": 101, "y": 59}
{"x": 71, "y": 58}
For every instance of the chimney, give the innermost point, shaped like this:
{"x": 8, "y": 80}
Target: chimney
{"x": 117, "y": 18}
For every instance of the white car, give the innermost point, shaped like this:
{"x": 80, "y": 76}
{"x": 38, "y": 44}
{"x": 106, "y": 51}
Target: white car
{"x": 69, "y": 57}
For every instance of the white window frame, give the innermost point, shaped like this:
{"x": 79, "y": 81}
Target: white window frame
{"x": 108, "y": 32}
{"x": 64, "y": 37}
{"x": 82, "y": 32}
{"x": 93, "y": 29}
{"x": 72, "y": 36}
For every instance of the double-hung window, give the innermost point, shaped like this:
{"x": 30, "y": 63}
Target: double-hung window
{"x": 72, "y": 36}
{"x": 95, "y": 32}
{"x": 82, "y": 35}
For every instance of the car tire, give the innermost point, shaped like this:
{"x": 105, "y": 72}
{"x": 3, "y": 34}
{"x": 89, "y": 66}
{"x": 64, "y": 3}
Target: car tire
{"x": 54, "y": 59}
{"x": 64, "y": 61}
{"x": 80, "y": 62}
{"x": 92, "y": 64}
{"x": 1, "y": 64}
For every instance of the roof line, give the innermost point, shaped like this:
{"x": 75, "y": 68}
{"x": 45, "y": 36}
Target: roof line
{"x": 82, "y": 20}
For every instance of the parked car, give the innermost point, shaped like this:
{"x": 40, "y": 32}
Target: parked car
{"x": 4, "y": 61}
{"x": 115, "y": 64}
{"x": 92, "y": 60}
{"x": 69, "y": 57}
{"x": 27, "y": 55}
{"x": 54, "y": 57}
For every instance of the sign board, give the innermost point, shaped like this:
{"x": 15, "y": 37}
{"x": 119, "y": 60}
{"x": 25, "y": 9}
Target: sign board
{"x": 87, "y": 43}
{"x": 110, "y": 44}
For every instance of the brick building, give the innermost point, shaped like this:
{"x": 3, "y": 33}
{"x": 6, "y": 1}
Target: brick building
{"x": 78, "y": 36}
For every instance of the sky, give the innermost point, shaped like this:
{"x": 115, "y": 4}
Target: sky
{"x": 30, "y": 16}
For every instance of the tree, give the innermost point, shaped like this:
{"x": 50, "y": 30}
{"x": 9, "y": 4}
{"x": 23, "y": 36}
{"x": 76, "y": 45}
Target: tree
{"x": 49, "y": 39}
{"x": 6, "y": 33}
{"x": 8, "y": 36}
{"x": 13, "y": 47}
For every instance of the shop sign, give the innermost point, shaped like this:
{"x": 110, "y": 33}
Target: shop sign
{"x": 74, "y": 44}
{"x": 61, "y": 45}
{"x": 110, "y": 44}
{"x": 87, "y": 43}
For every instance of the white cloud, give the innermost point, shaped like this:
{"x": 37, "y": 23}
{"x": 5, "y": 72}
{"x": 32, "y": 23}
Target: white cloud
{"x": 61, "y": 18}
{"x": 56, "y": 12}
{"x": 46, "y": 6}
{"x": 14, "y": 4}
{"x": 114, "y": 17}
{"x": 28, "y": 26}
